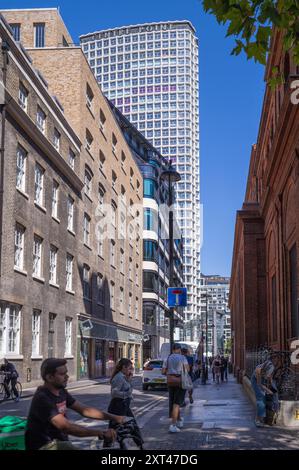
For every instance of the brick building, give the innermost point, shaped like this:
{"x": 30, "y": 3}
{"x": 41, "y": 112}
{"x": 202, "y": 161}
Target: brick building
{"x": 264, "y": 281}
{"x": 107, "y": 301}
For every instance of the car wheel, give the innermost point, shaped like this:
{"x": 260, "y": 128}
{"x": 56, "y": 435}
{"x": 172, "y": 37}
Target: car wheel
{"x": 144, "y": 387}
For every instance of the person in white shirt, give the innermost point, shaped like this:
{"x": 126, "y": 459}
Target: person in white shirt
{"x": 173, "y": 367}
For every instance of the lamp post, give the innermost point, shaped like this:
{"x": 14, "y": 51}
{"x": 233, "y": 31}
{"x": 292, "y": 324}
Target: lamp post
{"x": 171, "y": 176}
{"x": 204, "y": 376}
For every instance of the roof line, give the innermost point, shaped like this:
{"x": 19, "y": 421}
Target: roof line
{"x": 138, "y": 25}
{"x": 29, "y": 9}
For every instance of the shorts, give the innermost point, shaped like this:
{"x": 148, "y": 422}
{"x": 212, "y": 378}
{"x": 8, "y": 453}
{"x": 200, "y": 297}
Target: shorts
{"x": 176, "y": 397}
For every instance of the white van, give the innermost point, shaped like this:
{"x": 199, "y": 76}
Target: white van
{"x": 190, "y": 345}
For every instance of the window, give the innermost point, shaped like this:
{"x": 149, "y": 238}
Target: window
{"x": 102, "y": 160}
{"x": 137, "y": 275}
{"x": 51, "y": 335}
{"x": 100, "y": 289}
{"x": 121, "y": 300}
{"x": 149, "y": 221}
{"x": 36, "y": 332}
{"x": 21, "y": 168}
{"x": 86, "y": 282}
{"x": 102, "y": 121}
{"x": 87, "y": 182}
{"x": 55, "y": 191}
{"x": 122, "y": 261}
{"x": 136, "y": 308}
{"x": 89, "y": 96}
{"x": 10, "y": 316}
{"x": 100, "y": 242}
{"x": 130, "y": 305}
{"x": 70, "y": 213}
{"x": 294, "y": 291}
{"x": 69, "y": 272}
{"x": 86, "y": 229}
{"x": 39, "y": 180}
{"x": 123, "y": 159}
{"x": 114, "y": 179}
{"x": 130, "y": 269}
{"x": 53, "y": 264}
{"x": 37, "y": 256}
{"x": 19, "y": 246}
{"x": 56, "y": 140}
{"x": 131, "y": 177}
{"x": 113, "y": 213}
{"x": 114, "y": 143}
{"x": 112, "y": 253}
{"x": 39, "y": 34}
{"x": 89, "y": 140}
{"x": 68, "y": 337}
{"x": 72, "y": 157}
{"x": 112, "y": 295}
{"x": 41, "y": 120}
{"x": 16, "y": 31}
{"x": 149, "y": 188}
{"x": 23, "y": 97}
{"x": 150, "y": 250}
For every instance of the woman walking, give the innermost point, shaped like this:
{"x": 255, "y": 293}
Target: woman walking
{"x": 121, "y": 391}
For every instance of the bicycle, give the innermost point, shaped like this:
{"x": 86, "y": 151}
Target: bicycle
{"x": 128, "y": 437}
{"x": 3, "y": 394}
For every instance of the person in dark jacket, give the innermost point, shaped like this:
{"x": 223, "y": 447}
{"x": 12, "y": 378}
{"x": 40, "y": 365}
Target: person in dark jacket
{"x": 11, "y": 376}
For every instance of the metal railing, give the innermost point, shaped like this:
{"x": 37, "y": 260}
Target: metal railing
{"x": 286, "y": 374}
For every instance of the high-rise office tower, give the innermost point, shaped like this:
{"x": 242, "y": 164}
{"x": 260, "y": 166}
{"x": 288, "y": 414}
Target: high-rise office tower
{"x": 150, "y": 72}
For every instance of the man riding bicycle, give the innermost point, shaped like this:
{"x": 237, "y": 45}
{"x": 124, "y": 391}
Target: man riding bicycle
{"x": 11, "y": 376}
{"x": 48, "y": 427}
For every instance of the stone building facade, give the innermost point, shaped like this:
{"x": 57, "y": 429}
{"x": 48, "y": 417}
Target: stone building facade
{"x": 264, "y": 282}
{"x": 108, "y": 308}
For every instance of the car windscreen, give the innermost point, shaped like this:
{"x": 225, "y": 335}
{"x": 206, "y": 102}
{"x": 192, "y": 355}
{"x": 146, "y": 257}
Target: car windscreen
{"x": 156, "y": 364}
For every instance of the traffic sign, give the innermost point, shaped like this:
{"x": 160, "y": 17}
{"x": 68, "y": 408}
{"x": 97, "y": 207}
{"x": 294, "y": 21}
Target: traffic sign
{"x": 177, "y": 296}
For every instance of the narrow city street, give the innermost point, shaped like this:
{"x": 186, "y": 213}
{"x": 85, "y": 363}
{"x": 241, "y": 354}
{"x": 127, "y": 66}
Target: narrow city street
{"x": 221, "y": 418}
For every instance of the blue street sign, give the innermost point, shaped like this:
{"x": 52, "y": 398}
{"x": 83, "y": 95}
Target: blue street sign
{"x": 177, "y": 297}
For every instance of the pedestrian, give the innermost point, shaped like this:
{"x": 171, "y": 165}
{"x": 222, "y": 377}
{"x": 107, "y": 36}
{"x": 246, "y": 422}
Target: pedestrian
{"x": 121, "y": 392}
{"x": 173, "y": 368}
{"x": 223, "y": 368}
{"x": 190, "y": 361}
{"x": 11, "y": 376}
{"x": 263, "y": 384}
{"x": 217, "y": 368}
{"x": 47, "y": 426}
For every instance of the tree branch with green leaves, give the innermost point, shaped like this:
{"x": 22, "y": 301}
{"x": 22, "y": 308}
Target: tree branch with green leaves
{"x": 252, "y": 22}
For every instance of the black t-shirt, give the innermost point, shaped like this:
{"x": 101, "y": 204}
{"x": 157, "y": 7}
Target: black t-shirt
{"x": 44, "y": 406}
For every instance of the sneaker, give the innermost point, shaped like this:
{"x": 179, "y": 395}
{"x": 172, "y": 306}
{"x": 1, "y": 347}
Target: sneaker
{"x": 259, "y": 424}
{"x": 180, "y": 423}
{"x": 173, "y": 428}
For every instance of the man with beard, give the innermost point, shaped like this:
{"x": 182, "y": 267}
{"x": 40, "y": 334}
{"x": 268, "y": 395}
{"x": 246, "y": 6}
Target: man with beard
{"x": 47, "y": 426}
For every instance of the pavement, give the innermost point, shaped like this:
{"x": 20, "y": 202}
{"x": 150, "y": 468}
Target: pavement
{"x": 221, "y": 418}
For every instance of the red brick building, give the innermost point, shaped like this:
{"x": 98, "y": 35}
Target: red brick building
{"x": 264, "y": 280}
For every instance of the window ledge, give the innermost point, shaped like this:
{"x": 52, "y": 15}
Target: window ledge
{"x": 114, "y": 153}
{"x": 90, "y": 110}
{"x": 71, "y": 232}
{"x": 89, "y": 153}
{"x": 87, "y": 299}
{"x": 53, "y": 284}
{"x": 72, "y": 292}
{"x": 68, "y": 356}
{"x": 23, "y": 193}
{"x": 42, "y": 208}
{"x": 38, "y": 279}
{"x": 88, "y": 197}
{"x": 20, "y": 271}
{"x": 56, "y": 219}
{"x": 123, "y": 170}
{"x": 37, "y": 358}
{"x": 101, "y": 257}
{"x": 102, "y": 172}
{"x": 87, "y": 246}
{"x": 100, "y": 304}
{"x": 103, "y": 133}
{"x": 12, "y": 356}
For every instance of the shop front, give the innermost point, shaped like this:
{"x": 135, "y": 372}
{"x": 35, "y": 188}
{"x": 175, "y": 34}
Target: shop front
{"x": 101, "y": 346}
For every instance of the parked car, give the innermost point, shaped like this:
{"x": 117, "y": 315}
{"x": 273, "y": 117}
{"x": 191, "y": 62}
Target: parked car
{"x": 152, "y": 374}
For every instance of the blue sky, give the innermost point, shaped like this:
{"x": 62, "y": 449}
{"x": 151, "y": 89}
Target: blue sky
{"x": 231, "y": 94}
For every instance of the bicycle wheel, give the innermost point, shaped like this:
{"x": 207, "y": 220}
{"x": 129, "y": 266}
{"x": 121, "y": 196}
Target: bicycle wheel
{"x": 2, "y": 392}
{"x": 19, "y": 389}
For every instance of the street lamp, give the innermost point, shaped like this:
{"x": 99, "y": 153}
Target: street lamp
{"x": 204, "y": 376}
{"x": 170, "y": 175}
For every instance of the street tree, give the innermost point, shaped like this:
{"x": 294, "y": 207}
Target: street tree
{"x": 251, "y": 22}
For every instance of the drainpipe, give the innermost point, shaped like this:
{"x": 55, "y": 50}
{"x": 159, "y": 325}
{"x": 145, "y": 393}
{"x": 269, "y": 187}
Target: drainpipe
{"x": 4, "y": 50}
